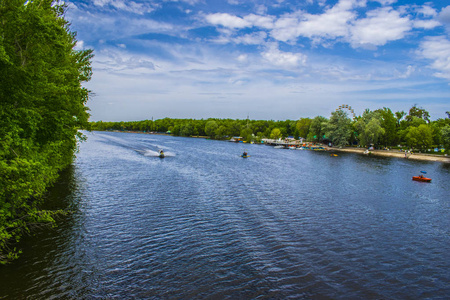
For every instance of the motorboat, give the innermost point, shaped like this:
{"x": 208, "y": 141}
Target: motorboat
{"x": 421, "y": 177}
{"x": 161, "y": 154}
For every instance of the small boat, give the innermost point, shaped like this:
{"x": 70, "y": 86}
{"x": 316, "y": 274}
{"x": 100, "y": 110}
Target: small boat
{"x": 245, "y": 155}
{"x": 421, "y": 177}
{"x": 333, "y": 154}
{"x": 161, "y": 154}
{"x": 318, "y": 148}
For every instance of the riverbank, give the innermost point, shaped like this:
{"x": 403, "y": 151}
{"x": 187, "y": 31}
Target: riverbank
{"x": 386, "y": 153}
{"x": 394, "y": 153}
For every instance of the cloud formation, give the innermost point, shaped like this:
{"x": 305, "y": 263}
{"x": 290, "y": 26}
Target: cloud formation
{"x": 313, "y": 54}
{"x": 437, "y": 49}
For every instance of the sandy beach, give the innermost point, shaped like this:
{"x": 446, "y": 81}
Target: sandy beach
{"x": 395, "y": 153}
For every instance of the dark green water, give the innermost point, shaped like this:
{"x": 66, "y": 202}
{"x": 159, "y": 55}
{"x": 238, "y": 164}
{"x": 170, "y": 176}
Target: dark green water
{"x": 205, "y": 223}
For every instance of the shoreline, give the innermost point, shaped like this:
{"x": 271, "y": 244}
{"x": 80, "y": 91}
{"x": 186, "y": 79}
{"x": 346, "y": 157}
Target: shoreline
{"x": 394, "y": 153}
{"x": 385, "y": 153}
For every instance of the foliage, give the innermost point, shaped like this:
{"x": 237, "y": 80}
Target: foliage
{"x": 420, "y": 137}
{"x": 388, "y": 123}
{"x": 379, "y": 127}
{"x": 446, "y": 137}
{"x": 338, "y": 128}
{"x": 317, "y": 129}
{"x": 369, "y": 128}
{"x": 43, "y": 105}
{"x": 417, "y": 112}
{"x": 303, "y": 126}
{"x": 275, "y": 134}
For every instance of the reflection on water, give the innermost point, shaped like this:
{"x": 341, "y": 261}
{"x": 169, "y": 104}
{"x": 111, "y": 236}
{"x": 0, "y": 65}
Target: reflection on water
{"x": 205, "y": 223}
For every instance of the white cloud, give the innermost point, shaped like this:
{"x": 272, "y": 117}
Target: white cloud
{"x": 426, "y": 24}
{"x": 227, "y": 20}
{"x": 119, "y": 61}
{"x": 380, "y": 27}
{"x": 283, "y": 59}
{"x": 256, "y": 38}
{"x": 386, "y": 2}
{"x": 444, "y": 15}
{"x": 242, "y": 58}
{"x": 260, "y": 21}
{"x": 129, "y": 6}
{"x": 427, "y": 11}
{"x": 79, "y": 45}
{"x": 437, "y": 49}
{"x": 333, "y": 23}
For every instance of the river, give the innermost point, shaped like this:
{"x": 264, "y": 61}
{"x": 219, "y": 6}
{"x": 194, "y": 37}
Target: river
{"x": 204, "y": 223}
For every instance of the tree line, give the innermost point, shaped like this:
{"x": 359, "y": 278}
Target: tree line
{"x": 379, "y": 128}
{"x": 42, "y": 108}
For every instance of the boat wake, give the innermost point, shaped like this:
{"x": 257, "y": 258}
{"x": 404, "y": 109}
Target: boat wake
{"x": 152, "y": 153}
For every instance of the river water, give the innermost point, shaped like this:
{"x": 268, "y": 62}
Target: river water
{"x": 204, "y": 223}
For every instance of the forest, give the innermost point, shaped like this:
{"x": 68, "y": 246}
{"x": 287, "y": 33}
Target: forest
{"x": 379, "y": 128}
{"x": 42, "y": 110}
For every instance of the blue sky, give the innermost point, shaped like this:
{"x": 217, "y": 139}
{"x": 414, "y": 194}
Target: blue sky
{"x": 269, "y": 59}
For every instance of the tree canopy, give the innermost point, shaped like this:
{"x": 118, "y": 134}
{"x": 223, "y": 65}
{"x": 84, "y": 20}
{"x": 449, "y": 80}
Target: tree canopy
{"x": 43, "y": 106}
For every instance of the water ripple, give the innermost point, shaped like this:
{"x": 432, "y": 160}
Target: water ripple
{"x": 206, "y": 224}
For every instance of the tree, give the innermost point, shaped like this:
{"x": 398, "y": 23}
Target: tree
{"x": 445, "y": 134}
{"x": 388, "y": 123}
{"x": 420, "y": 137}
{"x": 338, "y": 128}
{"x": 43, "y": 106}
{"x": 399, "y": 116}
{"x": 317, "y": 128}
{"x": 210, "y": 128}
{"x": 369, "y": 128}
{"x": 303, "y": 126}
{"x": 275, "y": 134}
{"x": 419, "y": 113}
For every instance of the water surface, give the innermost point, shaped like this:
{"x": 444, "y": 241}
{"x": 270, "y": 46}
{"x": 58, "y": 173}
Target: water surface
{"x": 205, "y": 223}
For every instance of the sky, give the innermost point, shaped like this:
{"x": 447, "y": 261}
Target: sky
{"x": 265, "y": 59}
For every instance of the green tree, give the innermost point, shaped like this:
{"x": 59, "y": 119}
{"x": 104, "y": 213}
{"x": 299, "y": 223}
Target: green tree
{"x": 210, "y": 128}
{"x": 43, "y": 106}
{"x": 420, "y": 137}
{"x": 317, "y": 129}
{"x": 445, "y": 134}
{"x": 388, "y": 123}
{"x": 369, "y": 128}
{"x": 419, "y": 113}
{"x": 338, "y": 128}
{"x": 303, "y": 126}
{"x": 275, "y": 134}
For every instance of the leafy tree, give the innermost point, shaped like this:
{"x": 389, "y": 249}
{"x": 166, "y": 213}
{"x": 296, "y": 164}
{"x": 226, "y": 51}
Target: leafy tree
{"x": 419, "y": 113}
{"x": 399, "y": 116}
{"x": 247, "y": 134}
{"x": 43, "y": 106}
{"x": 420, "y": 137}
{"x": 275, "y": 134}
{"x": 388, "y": 123}
{"x": 317, "y": 129}
{"x": 369, "y": 128}
{"x": 210, "y": 128}
{"x": 445, "y": 133}
{"x": 303, "y": 126}
{"x": 338, "y": 128}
